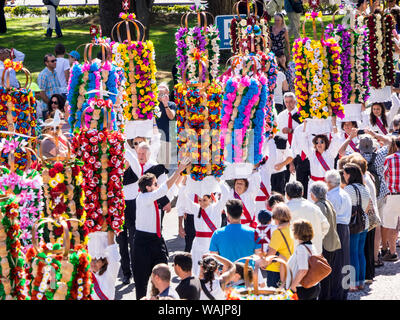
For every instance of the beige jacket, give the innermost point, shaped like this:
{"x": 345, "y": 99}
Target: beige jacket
{"x": 331, "y": 241}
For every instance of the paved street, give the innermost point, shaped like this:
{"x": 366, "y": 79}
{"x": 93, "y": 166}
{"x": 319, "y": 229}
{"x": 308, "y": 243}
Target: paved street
{"x": 385, "y": 287}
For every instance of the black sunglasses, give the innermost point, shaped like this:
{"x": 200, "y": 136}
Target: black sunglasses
{"x": 52, "y": 60}
{"x": 54, "y": 102}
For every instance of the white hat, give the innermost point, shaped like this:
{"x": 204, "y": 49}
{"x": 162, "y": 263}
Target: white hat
{"x": 319, "y": 126}
{"x": 139, "y": 128}
{"x": 237, "y": 171}
{"x": 97, "y": 244}
{"x": 204, "y": 187}
{"x": 380, "y": 95}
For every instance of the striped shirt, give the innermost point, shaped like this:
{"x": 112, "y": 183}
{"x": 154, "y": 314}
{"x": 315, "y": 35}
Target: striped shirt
{"x": 392, "y": 172}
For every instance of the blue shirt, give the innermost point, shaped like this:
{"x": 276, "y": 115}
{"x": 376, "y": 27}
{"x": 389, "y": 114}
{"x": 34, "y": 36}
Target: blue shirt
{"x": 234, "y": 241}
{"x": 341, "y": 202}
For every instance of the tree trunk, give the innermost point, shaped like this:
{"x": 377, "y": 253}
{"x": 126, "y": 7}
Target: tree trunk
{"x": 109, "y": 15}
{"x": 220, "y": 7}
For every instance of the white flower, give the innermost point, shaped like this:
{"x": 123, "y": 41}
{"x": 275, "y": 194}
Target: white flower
{"x": 80, "y": 295}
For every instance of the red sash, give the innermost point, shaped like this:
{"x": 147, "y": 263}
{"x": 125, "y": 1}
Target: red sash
{"x": 265, "y": 191}
{"x": 97, "y": 289}
{"x": 209, "y": 223}
{"x": 313, "y": 178}
{"x": 352, "y": 144}
{"x": 290, "y": 126}
{"x": 246, "y": 213}
{"x": 381, "y": 126}
{"x": 158, "y": 227}
{"x": 322, "y": 161}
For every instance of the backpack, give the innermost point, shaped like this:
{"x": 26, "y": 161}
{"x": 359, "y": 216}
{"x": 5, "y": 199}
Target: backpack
{"x": 372, "y": 170}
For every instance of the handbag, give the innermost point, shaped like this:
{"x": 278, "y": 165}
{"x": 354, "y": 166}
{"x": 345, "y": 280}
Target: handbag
{"x": 318, "y": 269}
{"x": 373, "y": 218}
{"x": 205, "y": 290}
{"x": 358, "y": 217}
{"x": 297, "y": 6}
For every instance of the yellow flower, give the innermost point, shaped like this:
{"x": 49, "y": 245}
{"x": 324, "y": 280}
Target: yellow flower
{"x": 59, "y": 178}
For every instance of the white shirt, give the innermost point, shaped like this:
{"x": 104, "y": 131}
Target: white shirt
{"x": 19, "y": 56}
{"x": 213, "y": 211}
{"x": 62, "y": 66}
{"x": 299, "y": 261}
{"x": 108, "y": 279}
{"x": 146, "y": 217}
{"x": 216, "y": 291}
{"x": 296, "y": 143}
{"x": 304, "y": 209}
{"x": 281, "y": 156}
{"x": 329, "y": 155}
{"x": 283, "y": 122}
{"x": 349, "y": 149}
{"x": 278, "y": 96}
{"x": 249, "y": 196}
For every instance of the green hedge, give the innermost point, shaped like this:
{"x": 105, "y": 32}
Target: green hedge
{"x": 21, "y": 11}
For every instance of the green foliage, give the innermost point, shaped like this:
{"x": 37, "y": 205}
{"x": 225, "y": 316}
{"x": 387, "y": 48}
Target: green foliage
{"x": 63, "y": 11}
{"x": 20, "y": 11}
{"x": 171, "y": 9}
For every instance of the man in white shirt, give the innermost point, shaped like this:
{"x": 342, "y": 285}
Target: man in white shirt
{"x": 301, "y": 208}
{"x": 281, "y": 86}
{"x": 62, "y": 68}
{"x": 341, "y": 202}
{"x": 149, "y": 245}
{"x": 284, "y": 157}
{"x": 5, "y": 53}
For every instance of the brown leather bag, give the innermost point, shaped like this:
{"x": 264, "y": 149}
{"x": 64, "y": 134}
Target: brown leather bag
{"x": 318, "y": 269}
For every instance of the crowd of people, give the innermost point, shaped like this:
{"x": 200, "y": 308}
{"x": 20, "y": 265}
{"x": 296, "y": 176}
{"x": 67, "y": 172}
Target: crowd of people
{"x": 300, "y": 200}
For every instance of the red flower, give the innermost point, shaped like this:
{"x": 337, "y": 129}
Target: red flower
{"x": 52, "y": 172}
{"x": 58, "y": 231}
{"x": 59, "y": 167}
{"x": 76, "y": 170}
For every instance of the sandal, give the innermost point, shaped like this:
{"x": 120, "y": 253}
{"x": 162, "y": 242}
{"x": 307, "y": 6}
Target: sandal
{"x": 379, "y": 263}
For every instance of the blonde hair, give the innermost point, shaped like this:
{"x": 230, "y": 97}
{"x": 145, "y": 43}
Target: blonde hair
{"x": 359, "y": 160}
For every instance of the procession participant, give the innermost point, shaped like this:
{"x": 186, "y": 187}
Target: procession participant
{"x": 321, "y": 152}
{"x": 265, "y": 168}
{"x": 379, "y": 120}
{"x": 207, "y": 218}
{"x": 347, "y": 127}
{"x": 246, "y": 190}
{"x": 283, "y": 158}
{"x": 300, "y": 164}
{"x": 287, "y": 121}
{"x": 104, "y": 265}
{"x": 149, "y": 245}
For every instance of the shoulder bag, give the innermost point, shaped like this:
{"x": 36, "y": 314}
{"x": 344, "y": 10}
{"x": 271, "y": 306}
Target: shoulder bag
{"x": 205, "y": 290}
{"x": 373, "y": 219}
{"x": 284, "y": 238}
{"x": 318, "y": 269}
{"x": 358, "y": 219}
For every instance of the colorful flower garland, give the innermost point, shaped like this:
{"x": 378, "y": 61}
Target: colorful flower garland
{"x": 381, "y": 46}
{"x": 18, "y": 287}
{"x": 17, "y": 114}
{"x": 62, "y": 185}
{"x": 317, "y": 83}
{"x": 355, "y": 62}
{"x": 103, "y": 155}
{"x": 87, "y": 77}
{"x": 138, "y": 63}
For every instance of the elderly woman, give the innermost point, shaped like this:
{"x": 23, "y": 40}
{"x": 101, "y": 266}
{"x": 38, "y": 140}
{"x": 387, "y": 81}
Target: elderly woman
{"x": 331, "y": 241}
{"x": 357, "y": 190}
{"x": 341, "y": 202}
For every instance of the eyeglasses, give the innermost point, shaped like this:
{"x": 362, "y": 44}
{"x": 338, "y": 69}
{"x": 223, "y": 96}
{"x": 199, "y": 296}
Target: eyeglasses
{"x": 319, "y": 142}
{"x": 54, "y": 102}
{"x": 52, "y": 61}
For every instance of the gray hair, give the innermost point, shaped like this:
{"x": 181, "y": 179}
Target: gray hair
{"x": 289, "y": 94}
{"x": 146, "y": 146}
{"x": 319, "y": 189}
{"x": 163, "y": 85}
{"x": 332, "y": 177}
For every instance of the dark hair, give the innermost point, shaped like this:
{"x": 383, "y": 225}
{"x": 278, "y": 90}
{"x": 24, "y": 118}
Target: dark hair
{"x": 61, "y": 102}
{"x": 279, "y": 54}
{"x": 396, "y": 14}
{"x": 246, "y": 182}
{"x": 234, "y": 208}
{"x": 294, "y": 189}
{"x": 59, "y": 49}
{"x": 208, "y": 196}
{"x": 264, "y": 216}
{"x": 360, "y": 2}
{"x": 397, "y": 141}
{"x": 372, "y": 117}
{"x": 47, "y": 55}
{"x": 209, "y": 265}
{"x": 323, "y": 137}
{"x": 184, "y": 260}
{"x": 104, "y": 266}
{"x": 355, "y": 173}
{"x": 240, "y": 270}
{"x": 146, "y": 181}
{"x": 354, "y": 123}
{"x": 275, "y": 198}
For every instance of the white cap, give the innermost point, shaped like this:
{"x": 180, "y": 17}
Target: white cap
{"x": 380, "y": 95}
{"x": 97, "y": 244}
{"x": 139, "y": 128}
{"x": 352, "y": 112}
{"x": 319, "y": 126}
